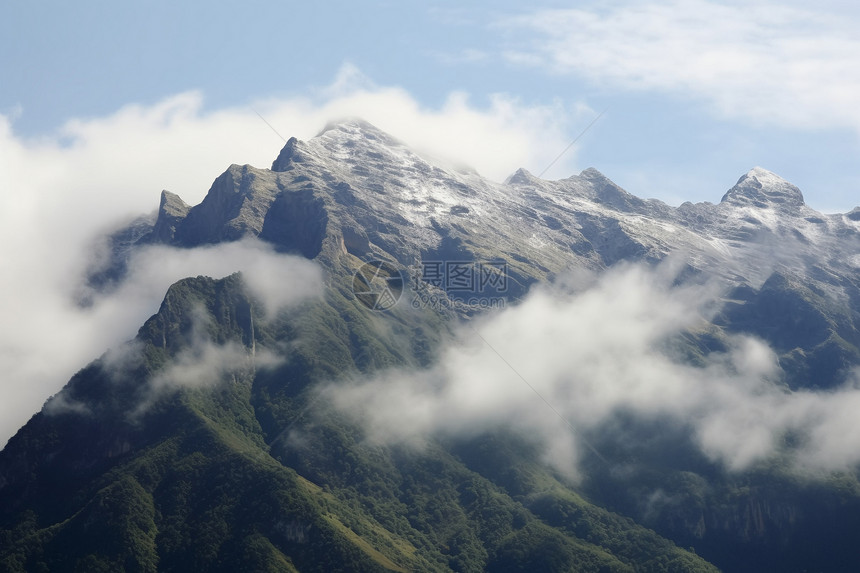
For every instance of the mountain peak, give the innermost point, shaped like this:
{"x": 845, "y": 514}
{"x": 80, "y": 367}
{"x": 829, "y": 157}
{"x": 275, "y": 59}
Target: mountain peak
{"x": 289, "y": 154}
{"x": 171, "y": 211}
{"x": 607, "y": 192}
{"x": 354, "y": 140}
{"x": 343, "y": 133}
{"x": 172, "y": 204}
{"x": 348, "y": 124}
{"x": 355, "y": 127}
{"x": 593, "y": 173}
{"x": 521, "y": 177}
{"x": 762, "y": 188}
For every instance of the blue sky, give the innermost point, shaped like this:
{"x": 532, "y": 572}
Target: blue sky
{"x": 696, "y": 92}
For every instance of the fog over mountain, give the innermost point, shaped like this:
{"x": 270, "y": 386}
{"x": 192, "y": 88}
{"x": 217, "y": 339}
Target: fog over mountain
{"x": 426, "y": 369}
{"x": 64, "y": 191}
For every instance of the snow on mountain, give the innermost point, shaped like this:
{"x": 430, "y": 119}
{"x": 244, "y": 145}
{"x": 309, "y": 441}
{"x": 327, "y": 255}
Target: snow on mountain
{"x": 355, "y": 190}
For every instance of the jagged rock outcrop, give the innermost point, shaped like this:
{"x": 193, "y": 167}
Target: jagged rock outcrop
{"x": 354, "y": 192}
{"x": 235, "y": 206}
{"x": 172, "y": 210}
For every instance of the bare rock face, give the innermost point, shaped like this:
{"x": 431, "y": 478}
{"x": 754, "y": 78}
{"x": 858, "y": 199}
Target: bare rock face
{"x": 296, "y": 222}
{"x": 289, "y": 155}
{"x": 235, "y": 206}
{"x": 354, "y": 192}
{"x": 355, "y": 241}
{"x": 171, "y": 212}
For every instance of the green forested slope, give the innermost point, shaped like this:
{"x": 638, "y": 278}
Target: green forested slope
{"x": 124, "y": 471}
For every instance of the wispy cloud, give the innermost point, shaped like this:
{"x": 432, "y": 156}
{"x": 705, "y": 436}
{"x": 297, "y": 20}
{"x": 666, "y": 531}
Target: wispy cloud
{"x": 203, "y": 363}
{"x": 59, "y": 192}
{"x": 276, "y": 280}
{"x": 596, "y": 354}
{"x": 765, "y": 62}
{"x": 50, "y": 324}
{"x": 490, "y": 138}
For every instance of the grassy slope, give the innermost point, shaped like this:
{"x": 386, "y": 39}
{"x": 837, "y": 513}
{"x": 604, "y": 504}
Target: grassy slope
{"x": 199, "y": 480}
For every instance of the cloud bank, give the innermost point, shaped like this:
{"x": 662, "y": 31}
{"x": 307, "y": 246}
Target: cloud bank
{"x": 277, "y": 280}
{"x": 603, "y": 351}
{"x": 58, "y": 193}
{"x": 53, "y": 337}
{"x": 765, "y": 62}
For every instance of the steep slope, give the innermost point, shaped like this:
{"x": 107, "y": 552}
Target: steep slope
{"x": 247, "y": 468}
{"x": 354, "y": 191}
{"x": 137, "y": 466}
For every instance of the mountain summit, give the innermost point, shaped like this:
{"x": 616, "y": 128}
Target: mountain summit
{"x": 762, "y": 188}
{"x": 356, "y": 189}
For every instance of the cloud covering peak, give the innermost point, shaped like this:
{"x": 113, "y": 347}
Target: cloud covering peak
{"x": 61, "y": 191}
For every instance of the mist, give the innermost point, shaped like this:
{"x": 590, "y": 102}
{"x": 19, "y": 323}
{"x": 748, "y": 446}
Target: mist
{"x": 598, "y": 350}
{"x": 60, "y": 192}
{"x": 75, "y": 336}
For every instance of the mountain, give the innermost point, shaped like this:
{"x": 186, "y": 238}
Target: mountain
{"x": 203, "y": 444}
{"x": 354, "y": 191}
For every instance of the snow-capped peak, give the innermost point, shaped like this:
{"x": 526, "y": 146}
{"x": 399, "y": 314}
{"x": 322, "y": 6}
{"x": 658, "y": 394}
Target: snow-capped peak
{"x": 762, "y": 188}
{"x": 356, "y": 128}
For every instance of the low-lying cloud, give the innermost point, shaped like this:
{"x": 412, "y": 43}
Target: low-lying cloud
{"x": 56, "y": 337}
{"x": 603, "y": 351}
{"x": 276, "y": 280}
{"x": 60, "y": 191}
{"x": 204, "y": 363}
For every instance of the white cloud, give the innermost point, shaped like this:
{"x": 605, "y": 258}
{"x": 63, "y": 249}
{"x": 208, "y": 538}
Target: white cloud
{"x": 276, "y": 280}
{"x": 495, "y": 140}
{"x": 764, "y": 62}
{"x": 598, "y": 353}
{"x": 58, "y": 192}
{"x": 51, "y": 337}
{"x": 204, "y": 364}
